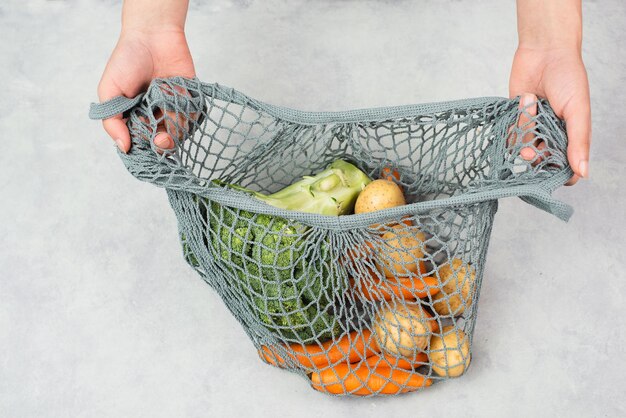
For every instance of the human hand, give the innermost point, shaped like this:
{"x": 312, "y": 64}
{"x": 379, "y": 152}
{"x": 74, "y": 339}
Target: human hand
{"x": 147, "y": 49}
{"x": 548, "y": 63}
{"x": 558, "y": 75}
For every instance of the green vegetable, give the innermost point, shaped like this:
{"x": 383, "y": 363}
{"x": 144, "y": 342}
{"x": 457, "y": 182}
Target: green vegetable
{"x": 189, "y": 256}
{"x": 232, "y": 243}
{"x": 331, "y": 192}
{"x": 286, "y": 285}
{"x": 279, "y": 246}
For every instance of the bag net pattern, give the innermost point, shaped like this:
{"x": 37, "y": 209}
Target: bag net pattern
{"x": 380, "y": 303}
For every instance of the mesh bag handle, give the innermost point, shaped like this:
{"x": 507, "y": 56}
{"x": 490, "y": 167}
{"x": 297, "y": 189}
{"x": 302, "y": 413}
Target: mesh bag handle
{"x": 186, "y": 107}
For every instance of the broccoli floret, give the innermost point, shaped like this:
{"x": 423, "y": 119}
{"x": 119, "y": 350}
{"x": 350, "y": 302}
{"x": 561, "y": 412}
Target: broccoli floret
{"x": 230, "y": 235}
{"x": 276, "y": 301}
{"x": 309, "y": 282}
{"x": 223, "y": 215}
{"x": 309, "y": 325}
{"x": 251, "y": 283}
{"x": 316, "y": 279}
{"x": 283, "y": 312}
{"x": 231, "y": 245}
{"x": 278, "y": 246}
{"x": 281, "y": 298}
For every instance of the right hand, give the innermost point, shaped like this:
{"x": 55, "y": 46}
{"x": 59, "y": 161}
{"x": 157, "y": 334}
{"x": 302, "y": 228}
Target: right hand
{"x": 138, "y": 58}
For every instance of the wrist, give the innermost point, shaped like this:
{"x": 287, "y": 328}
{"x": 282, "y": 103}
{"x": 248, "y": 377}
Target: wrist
{"x": 151, "y": 31}
{"x": 154, "y": 16}
{"x": 549, "y": 25}
{"x": 543, "y": 41}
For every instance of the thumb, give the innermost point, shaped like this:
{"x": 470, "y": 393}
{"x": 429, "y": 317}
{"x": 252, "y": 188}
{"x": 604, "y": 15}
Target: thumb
{"x": 577, "y": 115}
{"x": 117, "y": 130}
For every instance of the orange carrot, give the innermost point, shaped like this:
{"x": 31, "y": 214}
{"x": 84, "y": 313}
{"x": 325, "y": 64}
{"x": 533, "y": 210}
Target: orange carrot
{"x": 350, "y": 347}
{"x": 269, "y": 356}
{"x": 361, "y": 379}
{"x": 374, "y": 289}
{"x": 386, "y": 360}
{"x": 390, "y": 174}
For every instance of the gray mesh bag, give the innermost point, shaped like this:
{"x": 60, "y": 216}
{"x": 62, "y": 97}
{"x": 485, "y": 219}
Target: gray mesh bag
{"x": 376, "y": 303}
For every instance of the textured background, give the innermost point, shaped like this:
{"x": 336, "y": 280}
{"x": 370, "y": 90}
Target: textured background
{"x": 100, "y": 316}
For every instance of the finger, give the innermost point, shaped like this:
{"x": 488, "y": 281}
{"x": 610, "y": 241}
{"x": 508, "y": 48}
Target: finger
{"x": 177, "y": 123}
{"x": 524, "y": 132}
{"x": 117, "y": 130}
{"x": 573, "y": 180}
{"x": 577, "y": 115}
{"x": 528, "y": 153}
{"x": 526, "y": 121}
{"x": 524, "y": 118}
{"x": 161, "y": 138}
{"x": 114, "y": 126}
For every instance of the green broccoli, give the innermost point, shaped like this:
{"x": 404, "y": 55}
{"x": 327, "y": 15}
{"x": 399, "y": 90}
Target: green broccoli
{"x": 250, "y": 281}
{"x": 284, "y": 313}
{"x": 287, "y": 287}
{"x": 278, "y": 246}
{"x": 223, "y": 215}
{"x": 233, "y": 244}
{"x": 316, "y": 277}
{"x": 229, "y": 235}
{"x": 309, "y": 325}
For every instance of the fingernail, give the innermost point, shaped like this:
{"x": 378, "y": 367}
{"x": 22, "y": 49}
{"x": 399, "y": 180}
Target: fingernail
{"x": 528, "y": 153}
{"x": 583, "y": 168}
{"x": 527, "y": 99}
{"x": 120, "y": 145}
{"x": 162, "y": 141}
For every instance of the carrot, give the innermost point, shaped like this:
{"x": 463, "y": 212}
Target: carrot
{"x": 350, "y": 347}
{"x": 405, "y": 288}
{"x": 269, "y": 356}
{"x": 386, "y": 360}
{"x": 362, "y": 379}
{"x": 390, "y": 174}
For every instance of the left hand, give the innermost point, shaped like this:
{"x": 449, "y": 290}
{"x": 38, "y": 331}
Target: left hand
{"x": 559, "y": 75}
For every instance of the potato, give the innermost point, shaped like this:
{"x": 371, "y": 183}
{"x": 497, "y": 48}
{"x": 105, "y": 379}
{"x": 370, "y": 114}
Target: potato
{"x": 403, "y": 331}
{"x": 402, "y": 251}
{"x": 456, "y": 292}
{"x": 379, "y": 195}
{"x": 449, "y": 355}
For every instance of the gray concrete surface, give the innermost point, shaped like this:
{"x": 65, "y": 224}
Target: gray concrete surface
{"x": 100, "y": 316}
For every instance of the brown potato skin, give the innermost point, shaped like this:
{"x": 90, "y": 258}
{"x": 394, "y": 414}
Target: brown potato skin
{"x": 378, "y": 195}
{"x": 403, "y": 251}
{"x": 456, "y": 294}
{"x": 449, "y": 354}
{"x": 403, "y": 331}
